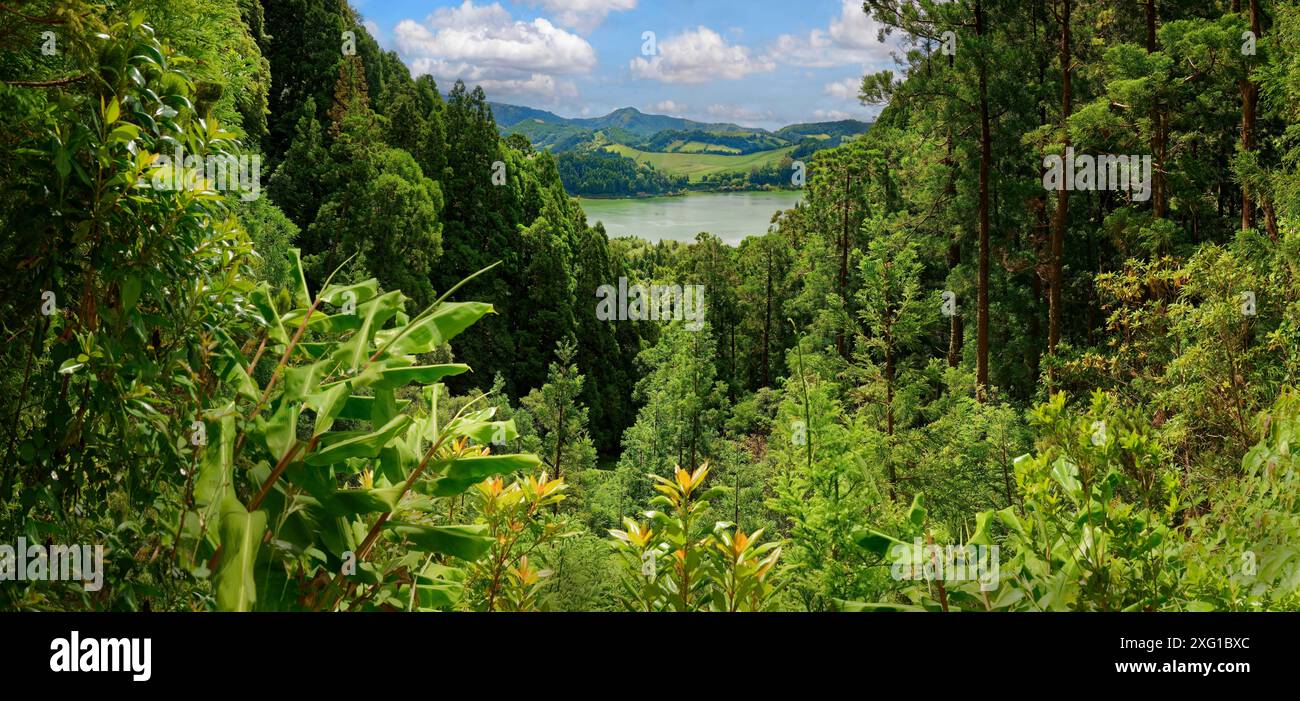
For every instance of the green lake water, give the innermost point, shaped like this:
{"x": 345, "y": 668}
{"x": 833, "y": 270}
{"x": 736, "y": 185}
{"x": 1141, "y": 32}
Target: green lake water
{"x": 731, "y": 216}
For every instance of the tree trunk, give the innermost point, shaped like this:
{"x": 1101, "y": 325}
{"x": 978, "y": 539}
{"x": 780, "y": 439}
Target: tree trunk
{"x": 986, "y": 155}
{"x": 1158, "y": 138}
{"x": 841, "y": 343}
{"x": 767, "y": 325}
{"x": 1061, "y": 216}
{"x": 1249, "y": 103}
{"x": 889, "y": 408}
{"x": 956, "y": 330}
{"x": 731, "y": 386}
{"x": 559, "y": 444}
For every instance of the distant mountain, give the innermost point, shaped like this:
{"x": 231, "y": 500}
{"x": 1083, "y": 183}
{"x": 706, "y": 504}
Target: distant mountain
{"x": 510, "y": 115}
{"x": 647, "y": 125}
{"x": 630, "y": 153}
{"x": 660, "y": 133}
{"x": 628, "y": 118}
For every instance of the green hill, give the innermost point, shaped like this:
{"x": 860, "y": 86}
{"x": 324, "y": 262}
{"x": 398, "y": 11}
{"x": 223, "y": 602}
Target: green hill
{"x": 697, "y": 165}
{"x": 708, "y": 156}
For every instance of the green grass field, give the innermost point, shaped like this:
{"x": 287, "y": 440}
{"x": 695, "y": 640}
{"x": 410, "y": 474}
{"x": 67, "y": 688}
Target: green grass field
{"x": 699, "y": 147}
{"x": 697, "y": 165}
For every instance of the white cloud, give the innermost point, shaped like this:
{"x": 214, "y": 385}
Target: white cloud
{"x": 484, "y": 45}
{"x": 669, "y": 107}
{"x": 846, "y": 89}
{"x": 583, "y": 15}
{"x": 835, "y": 115}
{"x": 699, "y": 56}
{"x": 495, "y": 83}
{"x": 740, "y": 114}
{"x": 851, "y": 38}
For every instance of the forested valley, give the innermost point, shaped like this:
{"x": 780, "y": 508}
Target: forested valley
{"x": 385, "y": 379}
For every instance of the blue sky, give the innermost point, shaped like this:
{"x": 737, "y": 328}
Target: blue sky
{"x": 763, "y": 63}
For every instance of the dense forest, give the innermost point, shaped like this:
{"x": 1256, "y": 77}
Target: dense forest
{"x": 597, "y": 173}
{"x": 382, "y": 379}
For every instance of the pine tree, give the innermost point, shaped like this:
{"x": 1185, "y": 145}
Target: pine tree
{"x": 560, "y": 420}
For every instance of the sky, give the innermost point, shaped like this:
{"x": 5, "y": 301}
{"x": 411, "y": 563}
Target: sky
{"x": 761, "y": 63}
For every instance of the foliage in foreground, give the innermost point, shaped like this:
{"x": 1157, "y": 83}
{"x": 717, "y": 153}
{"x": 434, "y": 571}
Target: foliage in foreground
{"x": 673, "y": 562}
{"x": 1101, "y": 526}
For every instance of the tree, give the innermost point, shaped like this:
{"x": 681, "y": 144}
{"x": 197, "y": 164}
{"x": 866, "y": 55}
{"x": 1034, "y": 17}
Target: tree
{"x": 895, "y": 316}
{"x": 681, "y": 406}
{"x": 561, "y": 420}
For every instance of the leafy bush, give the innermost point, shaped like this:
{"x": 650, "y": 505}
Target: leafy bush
{"x": 669, "y": 565}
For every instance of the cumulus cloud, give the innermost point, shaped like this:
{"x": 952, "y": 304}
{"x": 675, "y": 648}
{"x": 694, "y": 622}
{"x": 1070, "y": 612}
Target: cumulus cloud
{"x": 583, "y": 15}
{"x": 741, "y": 115}
{"x": 834, "y": 115}
{"x": 484, "y": 45}
{"x": 669, "y": 107}
{"x": 851, "y": 38}
{"x": 495, "y": 83}
{"x": 699, "y": 55}
{"x": 846, "y": 89}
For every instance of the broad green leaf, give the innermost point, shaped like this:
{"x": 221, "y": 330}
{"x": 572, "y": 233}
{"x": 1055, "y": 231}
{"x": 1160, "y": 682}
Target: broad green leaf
{"x": 384, "y": 408}
{"x": 350, "y": 502}
{"x": 241, "y": 536}
{"x": 123, "y": 133}
{"x": 332, "y": 323}
{"x": 916, "y": 514}
{"x": 396, "y": 461}
{"x": 363, "y": 446}
{"x": 130, "y": 292}
{"x": 462, "y": 473}
{"x": 327, "y": 405}
{"x": 1066, "y": 475}
{"x": 425, "y": 374}
{"x": 362, "y": 408}
{"x": 217, "y": 468}
{"x": 482, "y": 430}
{"x": 279, "y": 430}
{"x": 112, "y": 110}
{"x": 301, "y": 381}
{"x": 238, "y": 375}
{"x": 876, "y": 542}
{"x": 439, "y": 586}
{"x": 1009, "y": 519}
{"x": 982, "y": 536}
{"x": 268, "y": 316}
{"x": 374, "y": 315}
{"x": 301, "y": 297}
{"x": 337, "y": 295}
{"x": 465, "y": 542}
{"x": 439, "y": 327}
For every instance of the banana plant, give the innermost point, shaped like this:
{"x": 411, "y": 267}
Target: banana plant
{"x": 325, "y": 480}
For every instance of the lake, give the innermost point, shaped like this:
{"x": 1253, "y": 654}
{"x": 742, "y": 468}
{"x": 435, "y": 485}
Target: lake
{"x": 731, "y": 216}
